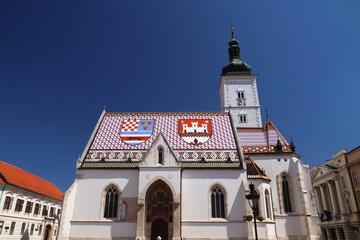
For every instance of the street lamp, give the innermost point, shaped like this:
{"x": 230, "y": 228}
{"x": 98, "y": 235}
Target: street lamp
{"x": 253, "y": 199}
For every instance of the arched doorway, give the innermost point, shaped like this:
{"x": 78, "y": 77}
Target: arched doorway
{"x": 159, "y": 211}
{"x": 159, "y": 228}
{"x": 47, "y": 232}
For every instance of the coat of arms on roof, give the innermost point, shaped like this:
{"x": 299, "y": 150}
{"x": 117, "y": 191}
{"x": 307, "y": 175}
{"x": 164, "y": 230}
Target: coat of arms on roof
{"x": 195, "y": 131}
{"x": 136, "y": 131}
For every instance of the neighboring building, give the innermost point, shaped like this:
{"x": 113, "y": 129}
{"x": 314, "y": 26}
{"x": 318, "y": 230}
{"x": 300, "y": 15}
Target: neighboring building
{"x": 185, "y": 175}
{"x": 29, "y": 205}
{"x": 353, "y": 165}
{"x": 337, "y": 207}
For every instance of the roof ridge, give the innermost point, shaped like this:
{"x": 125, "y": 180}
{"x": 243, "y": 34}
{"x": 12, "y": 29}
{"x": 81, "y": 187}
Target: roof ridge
{"x": 197, "y": 113}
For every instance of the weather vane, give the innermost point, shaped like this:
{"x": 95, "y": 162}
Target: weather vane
{"x": 232, "y": 31}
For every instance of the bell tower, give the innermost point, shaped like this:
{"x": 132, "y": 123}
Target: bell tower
{"x": 238, "y": 89}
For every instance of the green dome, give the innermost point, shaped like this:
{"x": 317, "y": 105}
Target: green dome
{"x": 235, "y": 63}
{"x": 236, "y": 66}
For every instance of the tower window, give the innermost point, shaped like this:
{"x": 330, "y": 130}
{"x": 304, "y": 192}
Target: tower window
{"x": 242, "y": 118}
{"x": 241, "y": 98}
{"x": 241, "y": 94}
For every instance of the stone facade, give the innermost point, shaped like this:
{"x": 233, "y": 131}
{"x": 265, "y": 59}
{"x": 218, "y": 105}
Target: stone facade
{"x": 335, "y": 197}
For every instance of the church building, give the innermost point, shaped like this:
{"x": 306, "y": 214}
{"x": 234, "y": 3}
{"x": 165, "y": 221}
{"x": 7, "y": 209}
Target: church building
{"x": 186, "y": 175}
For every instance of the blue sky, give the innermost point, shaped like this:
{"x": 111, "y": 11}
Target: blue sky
{"x": 61, "y": 62}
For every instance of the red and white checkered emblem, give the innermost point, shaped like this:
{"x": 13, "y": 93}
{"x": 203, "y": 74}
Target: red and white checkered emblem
{"x": 136, "y": 131}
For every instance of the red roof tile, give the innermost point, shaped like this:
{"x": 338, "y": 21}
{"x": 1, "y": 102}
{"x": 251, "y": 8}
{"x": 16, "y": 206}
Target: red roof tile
{"x": 23, "y": 179}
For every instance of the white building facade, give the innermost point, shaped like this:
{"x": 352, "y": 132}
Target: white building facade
{"x": 185, "y": 175}
{"x": 29, "y": 205}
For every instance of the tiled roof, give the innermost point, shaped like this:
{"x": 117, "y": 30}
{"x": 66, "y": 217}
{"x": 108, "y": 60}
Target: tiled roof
{"x": 23, "y": 179}
{"x": 216, "y": 165}
{"x": 262, "y": 140}
{"x": 253, "y": 170}
{"x": 216, "y": 140}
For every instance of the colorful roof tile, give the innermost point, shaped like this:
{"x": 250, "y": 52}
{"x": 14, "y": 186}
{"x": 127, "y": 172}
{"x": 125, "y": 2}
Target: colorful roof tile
{"x": 20, "y": 178}
{"x": 191, "y": 136}
{"x": 262, "y": 140}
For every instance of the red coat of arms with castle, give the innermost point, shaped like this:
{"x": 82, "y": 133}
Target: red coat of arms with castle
{"x": 195, "y": 131}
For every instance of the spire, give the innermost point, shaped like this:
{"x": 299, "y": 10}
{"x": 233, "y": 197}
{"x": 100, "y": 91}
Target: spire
{"x": 234, "y": 50}
{"x": 232, "y": 31}
{"x": 267, "y": 115}
{"x": 235, "y": 63}
{"x": 278, "y": 147}
{"x": 292, "y": 145}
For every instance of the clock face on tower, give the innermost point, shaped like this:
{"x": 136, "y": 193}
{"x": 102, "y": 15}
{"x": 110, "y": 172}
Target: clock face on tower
{"x": 241, "y": 102}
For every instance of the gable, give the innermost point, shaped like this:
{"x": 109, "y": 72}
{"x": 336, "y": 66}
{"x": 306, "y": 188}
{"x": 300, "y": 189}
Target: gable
{"x": 151, "y": 158}
{"x": 321, "y": 171}
{"x": 262, "y": 140}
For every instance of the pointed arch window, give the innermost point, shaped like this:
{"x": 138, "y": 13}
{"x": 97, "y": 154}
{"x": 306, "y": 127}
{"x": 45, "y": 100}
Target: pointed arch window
{"x": 268, "y": 205}
{"x": 286, "y": 194}
{"x": 161, "y": 155}
{"x": 217, "y": 202}
{"x": 111, "y": 202}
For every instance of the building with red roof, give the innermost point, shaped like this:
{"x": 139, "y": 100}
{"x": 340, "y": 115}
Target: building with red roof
{"x": 29, "y": 205}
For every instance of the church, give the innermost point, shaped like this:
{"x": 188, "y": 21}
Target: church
{"x": 187, "y": 175}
